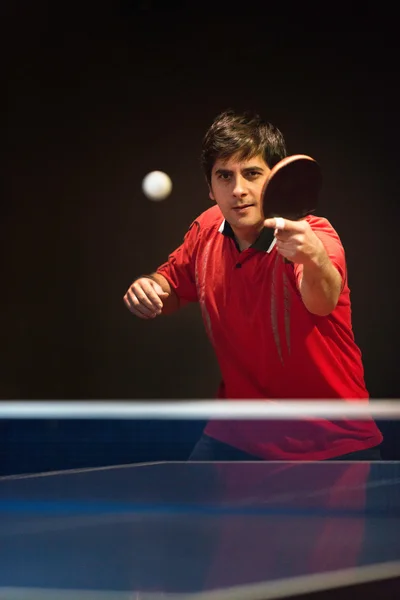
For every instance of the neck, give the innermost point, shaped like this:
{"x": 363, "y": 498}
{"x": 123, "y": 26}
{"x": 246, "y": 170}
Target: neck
{"x": 245, "y": 238}
{"x": 243, "y": 244}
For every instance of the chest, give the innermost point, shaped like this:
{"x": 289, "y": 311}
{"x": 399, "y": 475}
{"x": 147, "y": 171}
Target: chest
{"x": 251, "y": 285}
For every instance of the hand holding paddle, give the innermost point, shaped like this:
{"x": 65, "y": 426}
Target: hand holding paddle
{"x": 296, "y": 241}
{"x": 290, "y": 194}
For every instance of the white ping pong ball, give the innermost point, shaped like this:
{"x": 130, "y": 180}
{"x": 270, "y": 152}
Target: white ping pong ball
{"x": 157, "y": 185}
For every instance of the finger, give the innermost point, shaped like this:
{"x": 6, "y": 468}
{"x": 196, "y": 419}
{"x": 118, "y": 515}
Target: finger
{"x": 140, "y": 308}
{"x": 283, "y": 235}
{"x": 142, "y": 315}
{"x": 279, "y": 246}
{"x": 275, "y": 223}
{"x": 285, "y": 250}
{"x": 158, "y": 289}
{"x": 282, "y": 253}
{"x": 283, "y": 224}
{"x": 134, "y": 311}
{"x": 147, "y": 295}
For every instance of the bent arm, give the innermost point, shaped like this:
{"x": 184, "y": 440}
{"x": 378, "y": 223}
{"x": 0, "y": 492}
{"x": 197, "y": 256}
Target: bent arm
{"x": 171, "y": 302}
{"x": 320, "y": 284}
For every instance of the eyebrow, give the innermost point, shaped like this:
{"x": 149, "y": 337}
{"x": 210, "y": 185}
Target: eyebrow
{"x": 246, "y": 169}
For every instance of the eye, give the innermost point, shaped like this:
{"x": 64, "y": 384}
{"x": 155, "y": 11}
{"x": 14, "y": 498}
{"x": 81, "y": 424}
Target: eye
{"x": 253, "y": 174}
{"x": 224, "y": 176}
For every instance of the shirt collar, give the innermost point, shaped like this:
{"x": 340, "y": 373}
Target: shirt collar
{"x": 264, "y": 243}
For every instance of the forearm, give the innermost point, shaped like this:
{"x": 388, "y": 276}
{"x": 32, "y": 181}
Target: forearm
{"x": 171, "y": 303}
{"x": 320, "y": 284}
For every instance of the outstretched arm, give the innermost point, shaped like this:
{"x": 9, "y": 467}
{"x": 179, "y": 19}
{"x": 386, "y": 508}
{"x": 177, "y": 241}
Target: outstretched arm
{"x": 320, "y": 282}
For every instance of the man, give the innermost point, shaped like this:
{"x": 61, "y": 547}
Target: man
{"x": 275, "y": 304}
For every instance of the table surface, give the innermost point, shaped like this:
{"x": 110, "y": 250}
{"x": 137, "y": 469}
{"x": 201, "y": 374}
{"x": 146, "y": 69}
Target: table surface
{"x": 209, "y": 531}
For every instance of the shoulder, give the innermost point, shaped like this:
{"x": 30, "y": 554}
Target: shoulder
{"x": 322, "y": 226}
{"x": 206, "y": 224}
{"x": 331, "y": 241}
{"x": 202, "y": 228}
{"x": 209, "y": 219}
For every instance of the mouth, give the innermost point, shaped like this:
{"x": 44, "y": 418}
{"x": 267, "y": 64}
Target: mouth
{"x": 242, "y": 207}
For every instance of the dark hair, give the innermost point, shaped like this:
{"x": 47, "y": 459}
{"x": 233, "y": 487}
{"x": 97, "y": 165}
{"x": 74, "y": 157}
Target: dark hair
{"x": 243, "y": 134}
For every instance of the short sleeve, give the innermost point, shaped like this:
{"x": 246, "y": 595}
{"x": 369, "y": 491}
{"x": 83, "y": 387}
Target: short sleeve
{"x": 333, "y": 246}
{"x": 179, "y": 269}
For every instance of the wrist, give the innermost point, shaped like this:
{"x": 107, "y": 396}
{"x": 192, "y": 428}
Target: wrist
{"x": 318, "y": 259}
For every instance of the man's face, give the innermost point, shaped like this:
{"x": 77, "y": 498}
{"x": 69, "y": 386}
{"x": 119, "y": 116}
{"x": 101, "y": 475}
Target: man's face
{"x": 236, "y": 187}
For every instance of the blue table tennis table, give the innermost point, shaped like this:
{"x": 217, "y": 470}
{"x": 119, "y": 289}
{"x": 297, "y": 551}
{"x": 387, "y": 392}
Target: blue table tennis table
{"x": 204, "y": 531}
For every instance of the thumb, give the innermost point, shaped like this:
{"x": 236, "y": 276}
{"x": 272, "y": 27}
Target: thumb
{"x": 158, "y": 289}
{"x": 276, "y": 223}
{"x": 270, "y": 223}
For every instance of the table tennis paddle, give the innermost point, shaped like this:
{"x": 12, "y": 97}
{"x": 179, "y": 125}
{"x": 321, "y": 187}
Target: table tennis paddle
{"x": 292, "y": 188}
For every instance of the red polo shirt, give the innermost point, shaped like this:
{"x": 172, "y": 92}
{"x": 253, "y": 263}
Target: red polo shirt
{"x": 268, "y": 345}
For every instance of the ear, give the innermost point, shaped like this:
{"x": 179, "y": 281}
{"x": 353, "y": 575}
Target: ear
{"x": 210, "y": 193}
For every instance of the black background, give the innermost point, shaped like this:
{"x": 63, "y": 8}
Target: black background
{"x": 100, "y": 94}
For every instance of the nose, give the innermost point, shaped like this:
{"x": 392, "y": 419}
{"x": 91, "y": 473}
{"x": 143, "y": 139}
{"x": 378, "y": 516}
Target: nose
{"x": 239, "y": 189}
